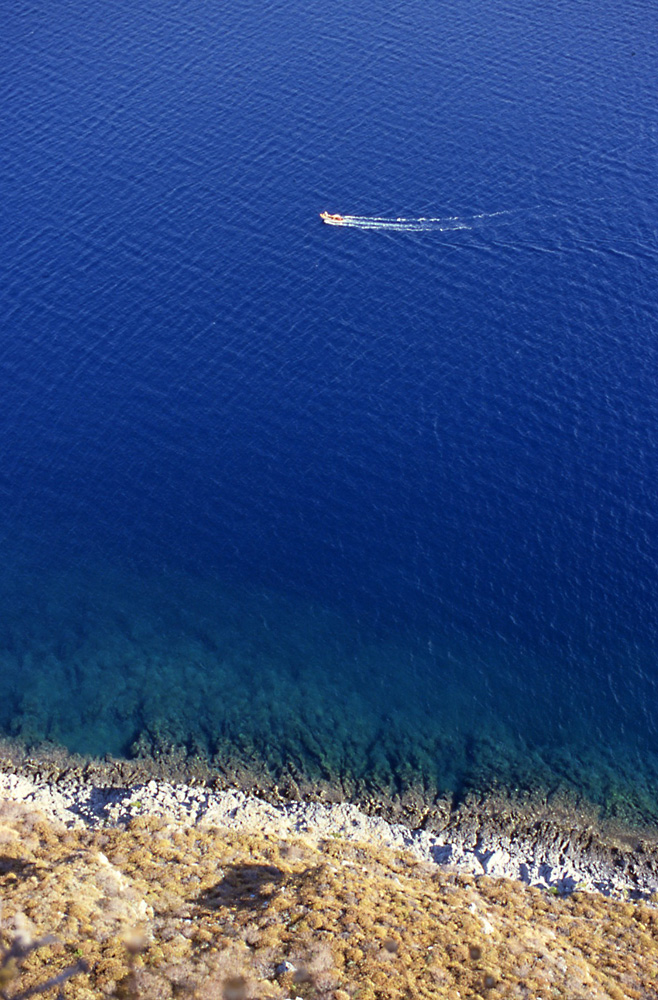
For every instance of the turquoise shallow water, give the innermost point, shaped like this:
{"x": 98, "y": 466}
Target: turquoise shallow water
{"x": 279, "y": 688}
{"x": 372, "y": 504}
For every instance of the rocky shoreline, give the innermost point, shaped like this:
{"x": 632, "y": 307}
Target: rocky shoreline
{"x": 555, "y": 847}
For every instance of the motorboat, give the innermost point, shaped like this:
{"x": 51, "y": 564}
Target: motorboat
{"x": 332, "y": 220}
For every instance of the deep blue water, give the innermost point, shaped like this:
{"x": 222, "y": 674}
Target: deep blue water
{"x": 376, "y": 502}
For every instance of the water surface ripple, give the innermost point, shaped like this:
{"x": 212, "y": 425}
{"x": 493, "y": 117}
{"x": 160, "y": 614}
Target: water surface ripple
{"x": 376, "y": 502}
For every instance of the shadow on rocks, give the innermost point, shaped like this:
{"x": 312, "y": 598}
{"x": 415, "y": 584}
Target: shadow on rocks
{"x": 95, "y": 806}
{"x": 244, "y": 886}
{"x": 15, "y": 866}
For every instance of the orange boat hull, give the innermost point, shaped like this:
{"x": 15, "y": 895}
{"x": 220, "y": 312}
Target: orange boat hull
{"x": 332, "y": 220}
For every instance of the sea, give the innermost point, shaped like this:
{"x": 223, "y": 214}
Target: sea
{"x": 370, "y": 504}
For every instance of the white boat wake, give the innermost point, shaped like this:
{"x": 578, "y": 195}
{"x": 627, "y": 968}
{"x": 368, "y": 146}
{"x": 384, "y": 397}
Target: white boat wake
{"x": 444, "y": 224}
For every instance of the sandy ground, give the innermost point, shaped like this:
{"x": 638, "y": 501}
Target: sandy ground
{"x": 539, "y": 854}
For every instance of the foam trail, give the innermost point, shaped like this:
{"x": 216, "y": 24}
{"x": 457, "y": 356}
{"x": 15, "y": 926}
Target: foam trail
{"x": 442, "y": 224}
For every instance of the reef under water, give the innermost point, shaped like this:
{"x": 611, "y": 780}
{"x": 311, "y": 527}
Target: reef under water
{"x": 274, "y": 692}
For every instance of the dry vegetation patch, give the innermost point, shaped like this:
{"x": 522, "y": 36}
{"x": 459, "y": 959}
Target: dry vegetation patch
{"x": 158, "y": 911}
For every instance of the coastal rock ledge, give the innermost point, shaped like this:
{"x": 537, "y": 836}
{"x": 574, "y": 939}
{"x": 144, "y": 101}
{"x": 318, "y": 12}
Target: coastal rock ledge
{"x": 557, "y": 855}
